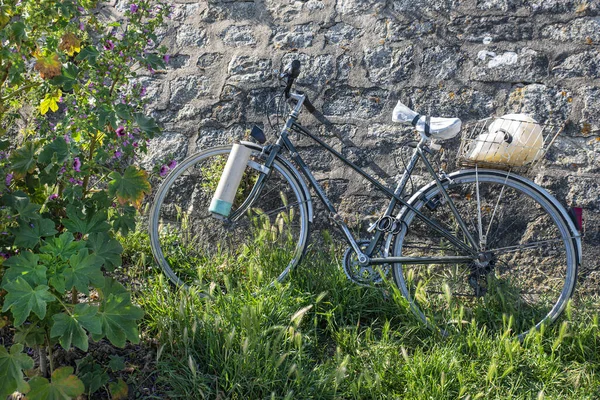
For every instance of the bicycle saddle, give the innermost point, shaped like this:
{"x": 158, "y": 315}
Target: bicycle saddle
{"x": 432, "y": 127}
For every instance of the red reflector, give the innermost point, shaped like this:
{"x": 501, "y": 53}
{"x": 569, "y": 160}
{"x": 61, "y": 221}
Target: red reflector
{"x": 577, "y": 216}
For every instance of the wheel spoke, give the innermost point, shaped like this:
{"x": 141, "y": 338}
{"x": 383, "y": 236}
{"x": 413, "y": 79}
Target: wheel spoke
{"x": 520, "y": 247}
{"x": 528, "y": 266}
{"x": 262, "y": 245}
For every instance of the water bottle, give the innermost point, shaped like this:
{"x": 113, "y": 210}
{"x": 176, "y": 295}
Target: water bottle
{"x": 220, "y": 205}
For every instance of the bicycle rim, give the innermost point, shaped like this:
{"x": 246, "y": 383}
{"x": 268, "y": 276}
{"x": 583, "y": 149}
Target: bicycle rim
{"x": 194, "y": 248}
{"x": 529, "y": 269}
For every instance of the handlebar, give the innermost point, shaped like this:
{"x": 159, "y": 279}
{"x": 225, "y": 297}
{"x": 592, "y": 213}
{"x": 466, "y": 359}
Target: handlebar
{"x": 292, "y": 71}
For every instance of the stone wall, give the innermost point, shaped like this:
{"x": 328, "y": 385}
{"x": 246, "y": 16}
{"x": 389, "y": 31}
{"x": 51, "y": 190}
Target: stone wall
{"x": 454, "y": 58}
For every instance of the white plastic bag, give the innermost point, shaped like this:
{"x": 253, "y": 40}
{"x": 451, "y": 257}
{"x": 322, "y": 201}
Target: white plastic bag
{"x": 513, "y": 139}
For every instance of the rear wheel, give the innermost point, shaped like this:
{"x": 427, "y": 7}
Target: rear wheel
{"x": 261, "y": 246}
{"x": 527, "y": 264}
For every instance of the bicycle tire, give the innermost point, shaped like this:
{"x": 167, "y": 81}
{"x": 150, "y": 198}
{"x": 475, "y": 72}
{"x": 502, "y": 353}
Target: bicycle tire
{"x": 535, "y": 259}
{"x": 193, "y": 248}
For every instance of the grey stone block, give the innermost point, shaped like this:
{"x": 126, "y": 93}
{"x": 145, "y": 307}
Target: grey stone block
{"x": 524, "y": 65}
{"x": 388, "y": 65}
{"x": 237, "y": 36}
{"x": 546, "y": 104}
{"x": 580, "y": 30}
{"x": 187, "y": 88}
{"x": 297, "y": 37}
{"x": 578, "y": 65}
{"x": 189, "y": 35}
{"x": 249, "y": 69}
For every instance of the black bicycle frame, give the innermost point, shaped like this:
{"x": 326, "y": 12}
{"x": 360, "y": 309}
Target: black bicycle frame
{"x": 395, "y": 197}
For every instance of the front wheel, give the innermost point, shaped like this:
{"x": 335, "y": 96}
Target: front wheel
{"x": 527, "y": 264}
{"x": 260, "y": 246}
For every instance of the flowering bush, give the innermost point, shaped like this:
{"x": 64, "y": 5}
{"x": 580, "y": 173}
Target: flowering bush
{"x": 74, "y": 112}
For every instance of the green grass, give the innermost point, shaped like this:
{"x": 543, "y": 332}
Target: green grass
{"x": 318, "y": 336}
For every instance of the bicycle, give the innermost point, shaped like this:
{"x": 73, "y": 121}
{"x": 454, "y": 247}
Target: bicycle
{"x": 483, "y": 244}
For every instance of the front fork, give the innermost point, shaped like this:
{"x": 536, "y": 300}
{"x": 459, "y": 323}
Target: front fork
{"x": 264, "y": 170}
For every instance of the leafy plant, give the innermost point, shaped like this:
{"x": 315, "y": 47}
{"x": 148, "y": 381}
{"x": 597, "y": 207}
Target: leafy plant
{"x": 75, "y": 111}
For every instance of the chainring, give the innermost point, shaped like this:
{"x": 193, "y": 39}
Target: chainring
{"x": 363, "y": 275}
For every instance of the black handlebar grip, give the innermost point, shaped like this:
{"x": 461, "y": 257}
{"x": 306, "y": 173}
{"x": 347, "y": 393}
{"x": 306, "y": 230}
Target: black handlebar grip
{"x": 295, "y": 69}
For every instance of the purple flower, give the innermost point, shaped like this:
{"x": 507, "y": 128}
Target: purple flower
{"x": 164, "y": 170}
{"x": 81, "y": 26}
{"x": 9, "y": 179}
{"x": 166, "y": 58}
{"x": 172, "y": 164}
{"x": 67, "y": 138}
{"x": 143, "y": 91}
{"x": 135, "y": 144}
{"x": 53, "y": 196}
{"x": 76, "y": 181}
{"x": 117, "y": 154}
{"x": 133, "y": 8}
{"x": 77, "y": 164}
{"x": 120, "y": 131}
{"x": 109, "y": 45}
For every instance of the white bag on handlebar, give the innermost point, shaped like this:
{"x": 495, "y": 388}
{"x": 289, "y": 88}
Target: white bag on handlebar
{"x": 513, "y": 139}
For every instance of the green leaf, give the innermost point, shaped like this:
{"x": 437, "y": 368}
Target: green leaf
{"x": 22, "y": 299}
{"x": 90, "y": 54}
{"x": 147, "y": 124}
{"x": 92, "y": 374}
{"x": 26, "y": 266}
{"x": 62, "y": 247}
{"x": 21, "y": 204}
{"x": 84, "y": 224}
{"x": 22, "y": 159}
{"x": 106, "y": 248}
{"x": 124, "y": 222}
{"x": 83, "y": 269}
{"x": 101, "y": 200}
{"x": 68, "y": 78}
{"x": 69, "y": 327}
{"x": 106, "y": 115}
{"x": 30, "y": 334}
{"x": 118, "y": 314}
{"x": 123, "y": 112}
{"x": 130, "y": 187}
{"x": 64, "y": 385}
{"x": 154, "y": 61}
{"x": 118, "y": 390}
{"x": 58, "y": 280}
{"x": 116, "y": 363}
{"x": 11, "y": 370}
{"x": 28, "y": 235}
{"x": 26, "y": 210}
{"x": 73, "y": 193}
{"x": 57, "y": 148}
{"x": 18, "y": 32}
